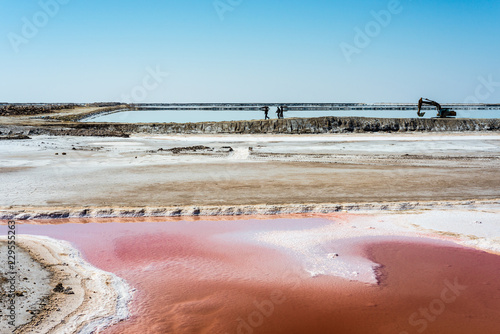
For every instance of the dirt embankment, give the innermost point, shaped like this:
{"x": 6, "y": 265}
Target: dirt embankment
{"x": 63, "y": 121}
{"x": 320, "y": 125}
{"x": 25, "y": 110}
{"x": 78, "y": 116}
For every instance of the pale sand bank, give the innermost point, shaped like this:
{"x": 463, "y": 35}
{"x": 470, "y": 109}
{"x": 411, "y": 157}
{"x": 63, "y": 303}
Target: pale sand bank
{"x": 90, "y": 301}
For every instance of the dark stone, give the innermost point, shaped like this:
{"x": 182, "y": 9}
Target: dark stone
{"x": 59, "y": 288}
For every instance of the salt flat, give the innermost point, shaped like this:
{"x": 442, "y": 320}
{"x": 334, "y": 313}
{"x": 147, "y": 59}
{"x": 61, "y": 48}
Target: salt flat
{"x": 433, "y": 199}
{"x": 247, "y": 170}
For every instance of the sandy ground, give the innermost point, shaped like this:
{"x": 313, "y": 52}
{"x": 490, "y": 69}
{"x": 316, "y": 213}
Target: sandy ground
{"x": 247, "y": 170}
{"x": 89, "y": 299}
{"x": 32, "y": 287}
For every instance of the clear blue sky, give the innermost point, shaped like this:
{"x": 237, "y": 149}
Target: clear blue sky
{"x": 259, "y": 51}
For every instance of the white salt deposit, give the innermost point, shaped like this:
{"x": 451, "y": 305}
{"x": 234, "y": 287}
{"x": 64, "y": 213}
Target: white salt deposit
{"x": 314, "y": 247}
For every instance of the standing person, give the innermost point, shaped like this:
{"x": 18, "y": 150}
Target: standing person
{"x": 278, "y": 112}
{"x": 282, "y": 109}
{"x": 266, "y": 112}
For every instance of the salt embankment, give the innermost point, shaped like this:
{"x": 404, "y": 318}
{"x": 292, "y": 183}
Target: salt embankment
{"x": 319, "y": 125}
{"x": 25, "y": 213}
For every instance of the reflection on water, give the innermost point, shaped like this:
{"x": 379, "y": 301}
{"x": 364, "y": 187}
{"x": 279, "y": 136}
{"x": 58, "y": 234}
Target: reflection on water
{"x": 192, "y": 116}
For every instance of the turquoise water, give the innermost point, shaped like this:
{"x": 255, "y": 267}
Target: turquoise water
{"x": 192, "y": 116}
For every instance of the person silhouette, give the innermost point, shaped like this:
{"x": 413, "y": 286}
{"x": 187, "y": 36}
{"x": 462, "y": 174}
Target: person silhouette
{"x": 266, "y": 112}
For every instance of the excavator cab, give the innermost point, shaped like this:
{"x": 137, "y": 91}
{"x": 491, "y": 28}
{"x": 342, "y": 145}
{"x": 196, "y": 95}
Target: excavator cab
{"x": 446, "y": 113}
{"x": 441, "y": 112}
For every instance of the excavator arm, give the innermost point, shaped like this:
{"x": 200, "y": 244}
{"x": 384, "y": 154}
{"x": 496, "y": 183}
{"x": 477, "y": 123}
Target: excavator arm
{"x": 423, "y": 101}
{"x": 441, "y": 112}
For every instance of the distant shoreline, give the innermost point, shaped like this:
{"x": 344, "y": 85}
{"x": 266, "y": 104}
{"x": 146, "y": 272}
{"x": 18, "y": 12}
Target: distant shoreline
{"x": 395, "y": 105}
{"x": 67, "y": 122}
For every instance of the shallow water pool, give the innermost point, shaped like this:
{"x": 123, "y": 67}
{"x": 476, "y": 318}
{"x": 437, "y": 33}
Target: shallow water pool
{"x": 193, "y": 116}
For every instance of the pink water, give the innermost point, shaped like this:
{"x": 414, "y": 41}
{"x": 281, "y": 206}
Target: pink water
{"x": 211, "y": 277}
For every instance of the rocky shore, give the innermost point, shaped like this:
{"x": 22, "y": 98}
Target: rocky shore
{"x": 320, "y": 125}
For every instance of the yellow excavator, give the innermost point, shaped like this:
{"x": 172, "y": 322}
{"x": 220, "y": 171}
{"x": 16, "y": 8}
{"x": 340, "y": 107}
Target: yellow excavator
{"x": 441, "y": 112}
